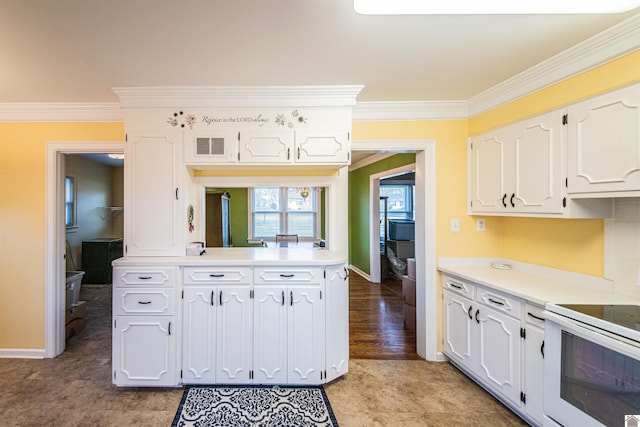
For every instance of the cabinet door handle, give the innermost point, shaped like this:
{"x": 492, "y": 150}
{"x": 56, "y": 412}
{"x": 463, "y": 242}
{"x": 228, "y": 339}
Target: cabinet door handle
{"x": 287, "y": 275}
{"x": 216, "y": 275}
{"x": 513, "y": 205}
{"x": 169, "y": 328}
{"x": 477, "y": 313}
{"x": 534, "y": 316}
{"x": 144, "y": 302}
{"x": 542, "y": 349}
{"x": 144, "y": 277}
{"x": 298, "y": 153}
{"x": 291, "y": 298}
{"x": 282, "y": 297}
{"x": 177, "y": 193}
{"x": 495, "y": 301}
{"x": 213, "y": 297}
{"x": 220, "y": 297}
{"x": 504, "y": 198}
{"x": 469, "y": 312}
{"x": 288, "y": 153}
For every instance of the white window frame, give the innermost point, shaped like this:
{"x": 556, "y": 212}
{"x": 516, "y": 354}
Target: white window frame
{"x": 73, "y": 225}
{"x": 283, "y": 213}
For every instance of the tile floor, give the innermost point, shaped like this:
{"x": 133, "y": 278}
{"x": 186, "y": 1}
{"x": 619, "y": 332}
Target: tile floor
{"x": 75, "y": 389}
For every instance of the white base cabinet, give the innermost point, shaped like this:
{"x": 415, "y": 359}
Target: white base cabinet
{"x": 485, "y": 335}
{"x": 337, "y": 321}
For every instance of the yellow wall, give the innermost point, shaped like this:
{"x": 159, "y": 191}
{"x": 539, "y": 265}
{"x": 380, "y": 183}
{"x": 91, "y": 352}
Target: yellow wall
{"x": 22, "y": 222}
{"x": 574, "y": 245}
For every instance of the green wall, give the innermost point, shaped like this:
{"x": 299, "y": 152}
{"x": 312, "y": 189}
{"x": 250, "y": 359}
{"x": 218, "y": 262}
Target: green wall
{"x": 359, "y": 207}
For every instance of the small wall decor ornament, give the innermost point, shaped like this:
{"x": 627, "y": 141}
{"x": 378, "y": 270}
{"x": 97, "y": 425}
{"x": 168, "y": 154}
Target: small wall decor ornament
{"x": 190, "y": 218}
{"x": 181, "y": 119}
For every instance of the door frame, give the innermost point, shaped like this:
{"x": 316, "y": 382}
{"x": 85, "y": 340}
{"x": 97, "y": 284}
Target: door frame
{"x": 425, "y": 242}
{"x": 54, "y": 245}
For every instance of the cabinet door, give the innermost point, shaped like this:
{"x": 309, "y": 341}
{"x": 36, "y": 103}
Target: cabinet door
{"x": 488, "y": 181}
{"x": 604, "y": 143}
{"x": 144, "y": 351}
{"x": 152, "y": 193}
{"x": 499, "y": 352}
{"x": 538, "y": 183}
{"x": 337, "y": 318}
{"x": 533, "y": 372}
{"x": 306, "y": 345}
{"x": 459, "y": 338}
{"x": 270, "y": 335}
{"x": 199, "y": 335}
{"x": 264, "y": 147}
{"x": 322, "y": 146}
{"x": 233, "y": 343}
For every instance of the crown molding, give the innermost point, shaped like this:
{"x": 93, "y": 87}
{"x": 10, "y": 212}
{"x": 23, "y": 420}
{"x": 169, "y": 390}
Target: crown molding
{"x": 60, "y": 112}
{"x": 237, "y": 96}
{"x": 416, "y": 110}
{"x": 612, "y": 43}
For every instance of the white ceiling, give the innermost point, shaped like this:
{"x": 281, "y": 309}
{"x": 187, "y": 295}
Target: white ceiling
{"x": 77, "y": 50}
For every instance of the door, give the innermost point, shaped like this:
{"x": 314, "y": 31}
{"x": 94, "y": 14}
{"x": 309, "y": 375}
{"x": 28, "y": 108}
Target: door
{"x": 233, "y": 335}
{"x": 199, "y": 335}
{"x": 337, "y": 317}
{"x": 534, "y": 372}
{"x": 266, "y": 146}
{"x": 458, "y": 334}
{"x": 270, "y": 335}
{"x": 489, "y": 186}
{"x": 306, "y": 340}
{"x": 322, "y": 146}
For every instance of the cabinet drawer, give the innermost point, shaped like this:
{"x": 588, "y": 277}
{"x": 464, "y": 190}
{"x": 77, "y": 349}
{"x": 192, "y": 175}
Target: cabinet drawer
{"x": 500, "y": 301}
{"x": 144, "y": 301}
{"x": 458, "y": 286}
{"x": 534, "y": 314}
{"x": 299, "y": 275}
{"x": 137, "y": 276}
{"x": 217, "y": 275}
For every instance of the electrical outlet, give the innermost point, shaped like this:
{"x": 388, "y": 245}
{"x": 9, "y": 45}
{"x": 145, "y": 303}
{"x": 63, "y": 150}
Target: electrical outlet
{"x": 454, "y": 225}
{"x": 480, "y": 224}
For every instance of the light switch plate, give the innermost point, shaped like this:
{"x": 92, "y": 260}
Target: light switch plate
{"x": 454, "y": 225}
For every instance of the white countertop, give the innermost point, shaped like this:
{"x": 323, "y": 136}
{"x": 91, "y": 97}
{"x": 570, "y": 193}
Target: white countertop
{"x": 533, "y": 283}
{"x": 245, "y": 256}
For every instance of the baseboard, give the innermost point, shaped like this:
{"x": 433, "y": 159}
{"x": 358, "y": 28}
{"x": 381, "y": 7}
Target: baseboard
{"x": 441, "y": 357}
{"x": 359, "y": 272}
{"x": 21, "y": 353}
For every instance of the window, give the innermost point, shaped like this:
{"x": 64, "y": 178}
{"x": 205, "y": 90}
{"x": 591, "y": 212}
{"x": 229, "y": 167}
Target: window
{"x": 399, "y": 204}
{"x": 284, "y": 210}
{"x": 70, "y": 201}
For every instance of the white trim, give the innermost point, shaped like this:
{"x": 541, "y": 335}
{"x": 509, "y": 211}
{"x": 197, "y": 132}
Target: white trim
{"x": 22, "y": 353}
{"x": 369, "y": 160}
{"x": 425, "y": 204}
{"x": 374, "y": 222}
{"x": 60, "y": 112}
{"x": 54, "y": 236}
{"x": 414, "y": 110}
{"x": 359, "y": 272}
{"x": 237, "y": 96}
{"x": 612, "y": 43}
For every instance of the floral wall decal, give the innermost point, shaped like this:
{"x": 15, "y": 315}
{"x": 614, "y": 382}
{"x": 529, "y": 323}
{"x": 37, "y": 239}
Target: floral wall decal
{"x": 296, "y": 117}
{"x": 181, "y": 119}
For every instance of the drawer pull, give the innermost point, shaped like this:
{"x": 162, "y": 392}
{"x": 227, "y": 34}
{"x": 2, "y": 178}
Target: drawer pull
{"x": 455, "y": 285}
{"x": 287, "y": 275}
{"x": 216, "y": 275}
{"x": 144, "y": 277}
{"x": 495, "y": 301}
{"x": 144, "y": 302}
{"x": 535, "y": 317}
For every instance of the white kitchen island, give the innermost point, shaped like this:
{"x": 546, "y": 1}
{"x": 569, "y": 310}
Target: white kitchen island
{"x": 233, "y": 315}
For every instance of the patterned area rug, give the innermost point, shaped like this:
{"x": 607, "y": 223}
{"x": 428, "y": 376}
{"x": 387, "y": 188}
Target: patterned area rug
{"x": 263, "y": 406}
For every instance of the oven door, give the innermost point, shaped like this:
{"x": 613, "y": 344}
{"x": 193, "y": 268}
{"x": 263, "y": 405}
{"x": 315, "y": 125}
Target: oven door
{"x": 591, "y": 377}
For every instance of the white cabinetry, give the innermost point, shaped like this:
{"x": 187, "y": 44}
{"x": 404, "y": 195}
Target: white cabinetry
{"x": 289, "y": 147}
{"x": 217, "y": 325}
{"x": 210, "y": 147}
{"x": 518, "y": 168}
{"x": 153, "y": 175}
{"x": 604, "y": 144}
{"x": 337, "y": 321}
{"x": 533, "y": 362}
{"x": 289, "y": 330}
{"x": 145, "y": 335}
{"x": 459, "y": 338}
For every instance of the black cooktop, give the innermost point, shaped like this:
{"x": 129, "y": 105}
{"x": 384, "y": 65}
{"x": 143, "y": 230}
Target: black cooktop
{"x": 623, "y": 315}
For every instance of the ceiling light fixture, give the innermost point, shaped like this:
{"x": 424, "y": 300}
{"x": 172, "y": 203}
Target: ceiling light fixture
{"x": 490, "y": 7}
{"x": 116, "y": 156}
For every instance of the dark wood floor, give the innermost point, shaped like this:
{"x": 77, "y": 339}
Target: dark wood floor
{"x": 376, "y": 321}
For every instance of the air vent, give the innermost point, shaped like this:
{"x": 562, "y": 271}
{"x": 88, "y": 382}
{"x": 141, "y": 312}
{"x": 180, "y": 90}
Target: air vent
{"x": 210, "y": 146}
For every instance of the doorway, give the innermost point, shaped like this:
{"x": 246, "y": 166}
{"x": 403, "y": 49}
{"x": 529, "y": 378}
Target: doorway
{"x": 55, "y": 237}
{"x": 425, "y": 240}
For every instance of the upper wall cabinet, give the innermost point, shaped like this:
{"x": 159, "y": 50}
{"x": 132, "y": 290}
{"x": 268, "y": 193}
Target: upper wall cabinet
{"x": 518, "y": 168}
{"x": 604, "y": 145}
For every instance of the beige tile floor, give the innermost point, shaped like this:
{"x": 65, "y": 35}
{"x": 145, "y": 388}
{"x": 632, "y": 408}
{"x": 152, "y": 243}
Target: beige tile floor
{"x": 75, "y": 389}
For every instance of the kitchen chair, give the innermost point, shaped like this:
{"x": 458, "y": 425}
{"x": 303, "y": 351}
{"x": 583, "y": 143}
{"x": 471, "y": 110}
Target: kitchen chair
{"x": 287, "y": 238}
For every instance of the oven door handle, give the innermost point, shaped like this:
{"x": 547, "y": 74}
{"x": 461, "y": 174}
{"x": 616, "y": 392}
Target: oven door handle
{"x": 598, "y": 336}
